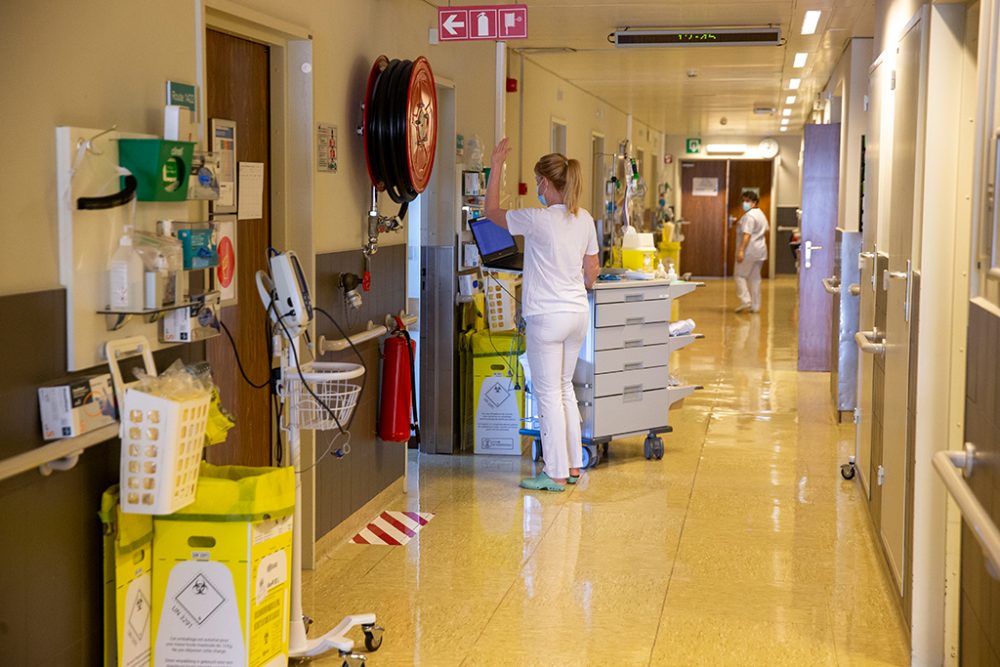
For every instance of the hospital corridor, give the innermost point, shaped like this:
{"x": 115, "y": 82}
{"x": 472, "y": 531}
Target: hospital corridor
{"x": 542, "y": 333}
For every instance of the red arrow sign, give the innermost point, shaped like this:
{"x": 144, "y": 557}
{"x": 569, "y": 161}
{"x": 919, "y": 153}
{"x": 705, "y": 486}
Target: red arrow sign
{"x": 482, "y": 22}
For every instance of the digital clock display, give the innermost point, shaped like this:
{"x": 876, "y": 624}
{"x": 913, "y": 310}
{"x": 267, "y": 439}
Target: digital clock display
{"x": 690, "y": 37}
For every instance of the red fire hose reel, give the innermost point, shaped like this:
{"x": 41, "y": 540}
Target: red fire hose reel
{"x": 400, "y": 136}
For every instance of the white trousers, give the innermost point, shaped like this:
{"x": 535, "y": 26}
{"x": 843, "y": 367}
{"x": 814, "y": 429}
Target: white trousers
{"x": 747, "y": 276}
{"x": 554, "y": 341}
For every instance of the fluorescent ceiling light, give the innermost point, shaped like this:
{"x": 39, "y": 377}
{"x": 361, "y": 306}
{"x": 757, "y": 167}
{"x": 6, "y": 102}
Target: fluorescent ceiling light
{"x": 810, "y": 21}
{"x": 800, "y": 59}
{"x": 790, "y": 99}
{"x": 793, "y": 84}
{"x": 726, "y": 149}
{"x": 786, "y": 112}
{"x": 784, "y": 121}
{"x": 784, "y": 129}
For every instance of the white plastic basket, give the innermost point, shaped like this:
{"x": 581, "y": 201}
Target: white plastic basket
{"x": 501, "y": 306}
{"x": 337, "y": 385}
{"x": 162, "y": 439}
{"x": 162, "y": 442}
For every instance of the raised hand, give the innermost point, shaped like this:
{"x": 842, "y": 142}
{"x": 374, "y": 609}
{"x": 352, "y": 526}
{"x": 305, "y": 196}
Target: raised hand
{"x": 500, "y": 153}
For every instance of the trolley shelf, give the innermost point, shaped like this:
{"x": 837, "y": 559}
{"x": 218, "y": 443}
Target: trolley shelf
{"x": 680, "y": 393}
{"x": 679, "y": 288}
{"x": 683, "y": 340}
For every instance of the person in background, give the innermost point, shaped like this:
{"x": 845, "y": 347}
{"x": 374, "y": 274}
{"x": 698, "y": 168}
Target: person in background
{"x": 560, "y": 265}
{"x": 751, "y": 252}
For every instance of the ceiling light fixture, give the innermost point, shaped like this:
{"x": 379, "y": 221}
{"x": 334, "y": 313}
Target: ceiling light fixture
{"x": 800, "y": 60}
{"x": 785, "y": 121}
{"x": 793, "y": 84}
{"x": 726, "y": 149}
{"x": 810, "y": 21}
{"x": 783, "y": 129}
{"x": 790, "y": 99}
{"x": 786, "y": 112}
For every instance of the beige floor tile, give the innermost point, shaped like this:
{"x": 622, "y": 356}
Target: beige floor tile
{"x": 687, "y": 638}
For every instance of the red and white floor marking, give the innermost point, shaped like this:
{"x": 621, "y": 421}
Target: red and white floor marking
{"x": 393, "y": 528}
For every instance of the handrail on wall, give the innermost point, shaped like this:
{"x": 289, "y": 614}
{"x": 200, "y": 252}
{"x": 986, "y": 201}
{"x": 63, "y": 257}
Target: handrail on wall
{"x": 59, "y": 455}
{"x": 370, "y": 333}
{"x": 948, "y": 465}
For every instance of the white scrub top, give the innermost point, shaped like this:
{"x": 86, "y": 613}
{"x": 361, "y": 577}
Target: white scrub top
{"x": 754, "y": 223}
{"x": 555, "y": 242}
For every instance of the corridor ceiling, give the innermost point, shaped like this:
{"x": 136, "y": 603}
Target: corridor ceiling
{"x": 688, "y": 89}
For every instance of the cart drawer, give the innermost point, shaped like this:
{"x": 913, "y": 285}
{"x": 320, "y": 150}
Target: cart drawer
{"x": 633, "y": 335}
{"x": 632, "y": 294}
{"x": 641, "y": 312}
{"x": 631, "y": 359}
{"x": 645, "y": 379}
{"x": 631, "y": 412}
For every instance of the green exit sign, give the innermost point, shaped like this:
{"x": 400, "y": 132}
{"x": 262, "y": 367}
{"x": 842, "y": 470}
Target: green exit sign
{"x": 693, "y": 146}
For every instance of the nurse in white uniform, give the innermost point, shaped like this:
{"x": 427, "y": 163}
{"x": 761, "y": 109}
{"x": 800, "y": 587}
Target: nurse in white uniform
{"x": 751, "y": 251}
{"x": 560, "y": 265}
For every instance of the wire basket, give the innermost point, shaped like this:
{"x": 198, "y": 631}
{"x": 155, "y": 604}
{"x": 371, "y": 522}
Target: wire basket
{"x": 337, "y": 386}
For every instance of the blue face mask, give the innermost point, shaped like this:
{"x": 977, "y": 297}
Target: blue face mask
{"x": 747, "y": 206}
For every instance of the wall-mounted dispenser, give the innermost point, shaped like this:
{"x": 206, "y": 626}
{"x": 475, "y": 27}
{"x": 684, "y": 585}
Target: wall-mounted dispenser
{"x": 161, "y": 167}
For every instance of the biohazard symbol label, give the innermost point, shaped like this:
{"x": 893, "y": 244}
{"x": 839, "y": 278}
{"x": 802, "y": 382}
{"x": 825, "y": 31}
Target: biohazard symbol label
{"x": 497, "y": 395}
{"x": 138, "y": 616}
{"x": 199, "y": 599}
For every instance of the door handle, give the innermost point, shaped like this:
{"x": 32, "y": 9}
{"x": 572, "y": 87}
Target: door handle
{"x": 862, "y": 256}
{"x": 901, "y": 275}
{"x": 863, "y": 339}
{"x": 809, "y": 250}
{"x": 854, "y": 289}
{"x": 829, "y": 286}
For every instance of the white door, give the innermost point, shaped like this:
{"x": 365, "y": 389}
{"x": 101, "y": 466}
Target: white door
{"x": 902, "y": 211}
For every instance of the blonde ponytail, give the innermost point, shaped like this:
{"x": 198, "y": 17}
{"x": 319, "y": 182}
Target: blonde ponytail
{"x": 566, "y": 175}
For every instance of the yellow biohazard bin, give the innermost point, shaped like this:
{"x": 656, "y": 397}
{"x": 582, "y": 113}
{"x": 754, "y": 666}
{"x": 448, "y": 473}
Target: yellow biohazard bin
{"x": 128, "y": 563}
{"x": 497, "y": 392}
{"x": 222, "y": 568}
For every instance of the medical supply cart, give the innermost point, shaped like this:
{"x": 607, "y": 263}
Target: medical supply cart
{"x": 622, "y": 379}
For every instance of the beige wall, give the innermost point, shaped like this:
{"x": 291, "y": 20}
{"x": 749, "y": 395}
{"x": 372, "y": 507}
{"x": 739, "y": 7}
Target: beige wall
{"x": 546, "y": 96}
{"x": 107, "y": 65}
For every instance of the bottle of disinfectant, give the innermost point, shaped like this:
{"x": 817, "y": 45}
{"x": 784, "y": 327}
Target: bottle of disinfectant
{"x": 125, "y": 276}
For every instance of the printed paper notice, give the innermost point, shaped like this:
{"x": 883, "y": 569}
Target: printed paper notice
{"x": 326, "y": 148}
{"x": 251, "y": 191}
{"x": 705, "y": 187}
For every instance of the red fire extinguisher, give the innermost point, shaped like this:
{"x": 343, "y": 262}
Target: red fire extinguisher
{"x": 398, "y": 400}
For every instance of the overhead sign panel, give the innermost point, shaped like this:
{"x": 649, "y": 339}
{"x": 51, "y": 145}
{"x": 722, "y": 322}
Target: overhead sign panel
{"x": 496, "y": 22}
{"x": 768, "y": 36}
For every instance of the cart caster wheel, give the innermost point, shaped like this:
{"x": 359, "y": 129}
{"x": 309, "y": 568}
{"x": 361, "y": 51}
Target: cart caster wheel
{"x": 373, "y": 637}
{"x": 595, "y": 456}
{"x": 536, "y": 450}
{"x": 847, "y": 471}
{"x": 658, "y": 448}
{"x": 647, "y": 448}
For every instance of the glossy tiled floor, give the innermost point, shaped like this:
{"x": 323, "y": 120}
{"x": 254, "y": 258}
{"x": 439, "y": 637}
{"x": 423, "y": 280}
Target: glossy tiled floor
{"x": 743, "y": 546}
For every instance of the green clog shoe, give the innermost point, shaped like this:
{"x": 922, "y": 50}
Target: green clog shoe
{"x": 541, "y": 482}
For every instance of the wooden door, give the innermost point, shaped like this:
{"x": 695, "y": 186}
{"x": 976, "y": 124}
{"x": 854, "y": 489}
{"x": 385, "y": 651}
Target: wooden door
{"x": 747, "y": 175}
{"x": 820, "y": 197}
{"x": 898, "y": 285}
{"x": 704, "y": 249}
{"x": 238, "y": 89}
